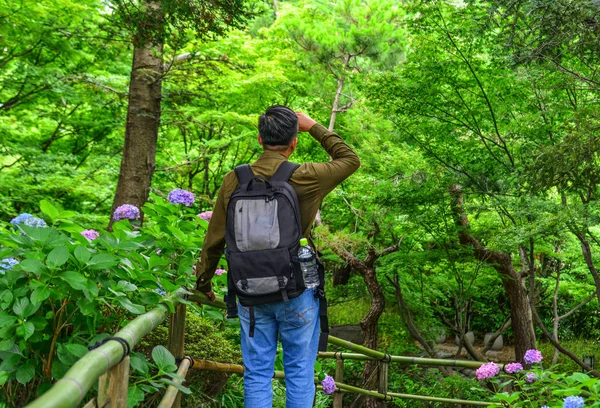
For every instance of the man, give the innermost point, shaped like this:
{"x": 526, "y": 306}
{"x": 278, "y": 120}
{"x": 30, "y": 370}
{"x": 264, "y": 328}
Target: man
{"x": 297, "y": 320}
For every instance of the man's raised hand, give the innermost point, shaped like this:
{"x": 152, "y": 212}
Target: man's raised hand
{"x": 305, "y": 122}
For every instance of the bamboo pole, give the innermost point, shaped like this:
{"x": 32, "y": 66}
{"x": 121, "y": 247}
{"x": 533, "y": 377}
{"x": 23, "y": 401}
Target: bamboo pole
{"x": 170, "y": 398}
{"x": 338, "y": 397}
{"x": 382, "y": 386}
{"x": 177, "y": 340}
{"x": 70, "y": 390}
{"x": 368, "y": 354}
{"x": 112, "y": 386}
{"x": 200, "y": 297}
{"x": 219, "y": 367}
{"x": 447, "y": 400}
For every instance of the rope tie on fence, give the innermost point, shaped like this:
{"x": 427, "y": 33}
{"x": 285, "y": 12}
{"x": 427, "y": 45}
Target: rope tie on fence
{"x": 387, "y": 358}
{"x": 178, "y": 360}
{"x": 122, "y": 342}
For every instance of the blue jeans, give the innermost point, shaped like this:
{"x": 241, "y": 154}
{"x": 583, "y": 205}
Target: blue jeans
{"x": 297, "y": 323}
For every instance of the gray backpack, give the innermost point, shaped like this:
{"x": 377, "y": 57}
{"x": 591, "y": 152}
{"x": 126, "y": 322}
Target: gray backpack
{"x": 262, "y": 235}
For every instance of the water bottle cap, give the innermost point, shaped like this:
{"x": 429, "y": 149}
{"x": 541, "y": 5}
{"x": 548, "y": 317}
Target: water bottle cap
{"x": 303, "y": 241}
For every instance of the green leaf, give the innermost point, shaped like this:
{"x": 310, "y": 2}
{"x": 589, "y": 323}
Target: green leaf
{"x": 40, "y": 294}
{"x": 7, "y": 344}
{"x": 26, "y": 372}
{"x": 162, "y": 357}
{"x": 10, "y": 362}
{"x": 7, "y": 320}
{"x": 20, "y": 305}
{"x": 75, "y": 279}
{"x": 133, "y": 308}
{"x": 26, "y": 330}
{"x": 102, "y": 261}
{"x": 77, "y": 350}
{"x": 82, "y": 254}
{"x": 134, "y": 396}
{"x": 4, "y": 377}
{"x": 32, "y": 265}
{"x": 180, "y": 387}
{"x": 57, "y": 257}
{"x": 38, "y": 322}
{"x": 139, "y": 363}
{"x": 48, "y": 209}
{"x": 177, "y": 232}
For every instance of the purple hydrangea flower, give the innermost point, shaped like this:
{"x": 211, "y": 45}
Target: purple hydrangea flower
{"x": 179, "y": 196}
{"x": 19, "y": 219}
{"x": 573, "y": 402}
{"x": 328, "y": 385}
{"x": 486, "y": 371}
{"x": 530, "y": 378}
{"x": 90, "y": 234}
{"x": 533, "y": 356}
{"x": 6, "y": 264}
{"x": 126, "y": 212}
{"x": 158, "y": 251}
{"x": 160, "y": 291}
{"x": 513, "y": 368}
{"x": 35, "y": 222}
{"x": 220, "y": 271}
{"x": 206, "y": 215}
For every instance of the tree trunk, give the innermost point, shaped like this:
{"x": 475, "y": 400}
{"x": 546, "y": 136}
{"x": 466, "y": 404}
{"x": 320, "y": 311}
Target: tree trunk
{"x": 141, "y": 132}
{"x": 341, "y": 275}
{"x": 369, "y": 326}
{"x": 514, "y": 285}
{"x": 587, "y": 255}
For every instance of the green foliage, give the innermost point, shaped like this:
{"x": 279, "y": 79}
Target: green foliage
{"x": 51, "y": 298}
{"x": 548, "y": 388}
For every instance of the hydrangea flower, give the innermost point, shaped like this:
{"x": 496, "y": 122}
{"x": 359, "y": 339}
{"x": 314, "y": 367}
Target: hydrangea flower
{"x": 486, "y": 371}
{"x": 6, "y": 264}
{"x": 573, "y": 402}
{"x": 19, "y": 219}
{"x": 533, "y": 356}
{"x": 35, "y": 222}
{"x": 206, "y": 215}
{"x": 179, "y": 196}
{"x": 126, "y": 212}
{"x": 220, "y": 271}
{"x": 90, "y": 234}
{"x": 530, "y": 378}
{"x": 160, "y": 291}
{"x": 513, "y": 368}
{"x": 328, "y": 384}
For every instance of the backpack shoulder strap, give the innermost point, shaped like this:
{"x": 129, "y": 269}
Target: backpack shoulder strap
{"x": 244, "y": 174}
{"x": 285, "y": 171}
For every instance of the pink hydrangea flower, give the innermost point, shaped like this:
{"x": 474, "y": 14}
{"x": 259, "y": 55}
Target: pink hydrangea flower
{"x": 220, "y": 271}
{"x": 513, "y": 368}
{"x": 90, "y": 234}
{"x": 206, "y": 215}
{"x": 328, "y": 384}
{"x": 486, "y": 371}
{"x": 532, "y": 356}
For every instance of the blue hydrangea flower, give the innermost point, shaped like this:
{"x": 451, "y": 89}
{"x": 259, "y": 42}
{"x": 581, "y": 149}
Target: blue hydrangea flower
{"x": 35, "y": 222}
{"x": 19, "y": 219}
{"x": 6, "y": 264}
{"x": 179, "y": 196}
{"x": 160, "y": 291}
{"x": 573, "y": 402}
{"x": 126, "y": 212}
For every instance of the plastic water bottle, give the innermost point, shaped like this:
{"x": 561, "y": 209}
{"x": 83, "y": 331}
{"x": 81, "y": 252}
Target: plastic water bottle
{"x": 308, "y": 264}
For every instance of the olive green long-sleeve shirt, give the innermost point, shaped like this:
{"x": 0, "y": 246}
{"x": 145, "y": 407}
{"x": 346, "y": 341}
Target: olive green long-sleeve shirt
{"x": 311, "y": 181}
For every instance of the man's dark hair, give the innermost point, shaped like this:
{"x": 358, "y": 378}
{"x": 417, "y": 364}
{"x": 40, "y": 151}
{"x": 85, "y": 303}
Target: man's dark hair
{"x": 278, "y": 126}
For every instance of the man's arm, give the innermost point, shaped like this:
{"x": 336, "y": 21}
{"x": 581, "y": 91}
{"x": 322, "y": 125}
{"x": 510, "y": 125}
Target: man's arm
{"x": 212, "y": 249}
{"x": 343, "y": 162}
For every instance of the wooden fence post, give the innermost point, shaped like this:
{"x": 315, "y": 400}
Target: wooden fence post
{"x": 383, "y": 377}
{"x": 112, "y": 386}
{"x": 177, "y": 338}
{"x": 339, "y": 377}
